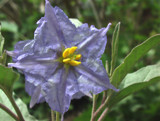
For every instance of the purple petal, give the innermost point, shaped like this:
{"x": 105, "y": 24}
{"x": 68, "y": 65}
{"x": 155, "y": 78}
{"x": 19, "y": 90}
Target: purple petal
{"x": 94, "y": 79}
{"x": 35, "y": 96}
{"x": 72, "y": 84}
{"x": 78, "y": 35}
{"x": 29, "y": 65}
{"x": 68, "y": 29}
{"x": 44, "y": 38}
{"x": 30, "y": 89}
{"x": 21, "y": 47}
{"x": 53, "y": 24}
{"x": 78, "y": 95}
{"x": 94, "y": 42}
{"x": 56, "y": 95}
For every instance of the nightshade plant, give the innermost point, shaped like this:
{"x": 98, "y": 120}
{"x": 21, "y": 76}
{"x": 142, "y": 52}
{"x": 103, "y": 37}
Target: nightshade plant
{"x": 63, "y": 62}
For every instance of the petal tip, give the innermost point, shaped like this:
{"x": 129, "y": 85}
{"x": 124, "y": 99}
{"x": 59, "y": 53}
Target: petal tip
{"x": 109, "y": 24}
{"x": 106, "y": 29}
{"x": 31, "y": 105}
{"x": 10, "y": 64}
{"x": 116, "y": 90}
{"x": 11, "y": 53}
{"x": 47, "y": 1}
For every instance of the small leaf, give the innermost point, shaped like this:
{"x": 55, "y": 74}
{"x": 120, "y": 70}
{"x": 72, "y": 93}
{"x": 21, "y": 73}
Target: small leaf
{"x": 22, "y": 106}
{"x": 129, "y": 62}
{"x": 1, "y": 42}
{"x": 115, "y": 46}
{"x": 7, "y": 78}
{"x": 76, "y": 22}
{"x": 136, "y": 81}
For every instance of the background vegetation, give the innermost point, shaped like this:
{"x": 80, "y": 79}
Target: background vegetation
{"x": 139, "y": 20}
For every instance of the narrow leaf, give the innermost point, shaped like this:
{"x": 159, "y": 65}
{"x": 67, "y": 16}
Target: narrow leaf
{"x": 136, "y": 53}
{"x": 1, "y": 41}
{"x": 115, "y": 46}
{"x": 136, "y": 81}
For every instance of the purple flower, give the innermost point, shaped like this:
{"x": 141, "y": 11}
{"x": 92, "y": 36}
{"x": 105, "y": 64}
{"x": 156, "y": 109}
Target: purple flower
{"x": 62, "y": 62}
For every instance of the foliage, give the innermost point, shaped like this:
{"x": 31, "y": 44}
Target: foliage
{"x": 4, "y": 116}
{"x": 135, "y": 81}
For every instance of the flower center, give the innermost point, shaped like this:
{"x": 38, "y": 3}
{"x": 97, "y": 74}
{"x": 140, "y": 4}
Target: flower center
{"x": 71, "y": 57}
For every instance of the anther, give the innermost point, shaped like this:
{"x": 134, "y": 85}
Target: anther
{"x": 66, "y": 53}
{"x": 78, "y": 57}
{"x": 72, "y": 50}
{"x": 74, "y": 63}
{"x": 66, "y": 60}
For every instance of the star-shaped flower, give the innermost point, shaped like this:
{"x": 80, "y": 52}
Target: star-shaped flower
{"x": 62, "y": 62}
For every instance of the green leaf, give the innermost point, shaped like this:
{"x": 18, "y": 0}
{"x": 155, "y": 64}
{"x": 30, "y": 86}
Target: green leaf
{"x": 136, "y": 81}
{"x": 1, "y": 42}
{"x": 9, "y": 26}
{"x": 22, "y": 106}
{"x": 115, "y": 46}
{"x": 7, "y": 77}
{"x": 129, "y": 62}
{"x": 76, "y": 22}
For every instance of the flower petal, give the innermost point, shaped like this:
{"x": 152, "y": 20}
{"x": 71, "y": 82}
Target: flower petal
{"x": 21, "y": 47}
{"x": 94, "y": 43}
{"x": 66, "y": 26}
{"x": 53, "y": 25}
{"x": 35, "y": 96}
{"x": 32, "y": 66}
{"x": 72, "y": 84}
{"x": 31, "y": 84}
{"x": 93, "y": 79}
{"x": 56, "y": 95}
{"x": 45, "y": 39}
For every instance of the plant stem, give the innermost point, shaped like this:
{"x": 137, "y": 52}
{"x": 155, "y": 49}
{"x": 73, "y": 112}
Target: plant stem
{"x": 57, "y": 116}
{"x": 93, "y": 107}
{"x": 104, "y": 96}
{"x": 102, "y": 106}
{"x": 9, "y": 95}
{"x": 7, "y": 110}
{"x": 103, "y": 114}
{"x": 15, "y": 107}
{"x": 52, "y": 115}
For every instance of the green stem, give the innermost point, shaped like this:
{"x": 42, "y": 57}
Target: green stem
{"x": 7, "y": 110}
{"x": 93, "y": 107}
{"x": 102, "y": 106}
{"x": 103, "y": 114}
{"x": 104, "y": 96}
{"x": 15, "y": 107}
{"x": 57, "y": 116}
{"x": 52, "y": 115}
{"x": 9, "y": 95}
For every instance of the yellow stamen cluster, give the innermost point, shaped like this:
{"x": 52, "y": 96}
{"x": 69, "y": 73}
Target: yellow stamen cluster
{"x": 70, "y": 57}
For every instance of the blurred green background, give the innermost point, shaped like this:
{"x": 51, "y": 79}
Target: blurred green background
{"x": 139, "y": 19}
